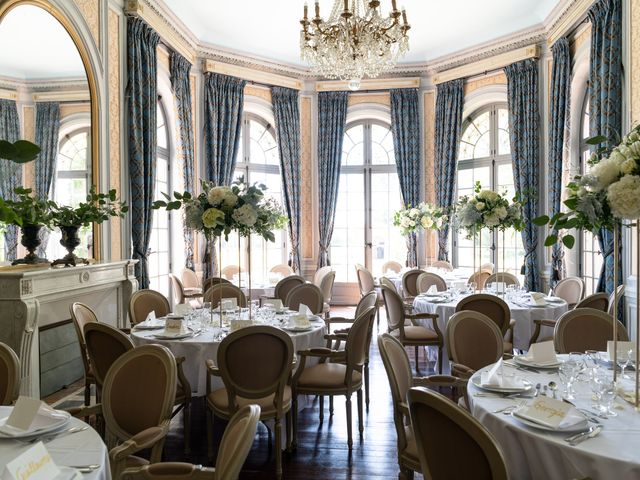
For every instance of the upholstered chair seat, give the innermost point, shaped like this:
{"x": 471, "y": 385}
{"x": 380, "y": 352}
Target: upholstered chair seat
{"x": 219, "y": 400}
{"x": 328, "y": 376}
{"x": 415, "y": 333}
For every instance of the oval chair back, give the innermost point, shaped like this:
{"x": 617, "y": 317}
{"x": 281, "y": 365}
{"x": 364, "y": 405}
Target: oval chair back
{"x": 229, "y": 271}
{"x": 570, "y": 289}
{"x": 105, "y": 344}
{"x": 473, "y": 340}
{"x": 326, "y": 286}
{"x": 307, "y": 294}
{"x": 189, "y": 278}
{"x": 216, "y": 293}
{"x": 480, "y": 279}
{"x": 178, "y": 288}
{"x": 426, "y": 279}
{"x": 82, "y": 314}
{"x": 620, "y": 294}
{"x": 210, "y": 282}
{"x": 410, "y": 282}
{"x": 284, "y": 286}
{"x": 583, "y": 329}
{"x": 9, "y": 375}
{"x": 145, "y": 301}
{"x": 358, "y": 339}
{"x": 394, "y": 307}
{"x": 433, "y": 413}
{"x": 283, "y": 269}
{"x": 319, "y": 275}
{"x": 366, "y": 283}
{"x": 489, "y": 305}
{"x": 442, "y": 264}
{"x": 391, "y": 266}
{"x": 385, "y": 282}
{"x": 368, "y": 301}
{"x": 599, "y": 301}
{"x": 506, "y": 277}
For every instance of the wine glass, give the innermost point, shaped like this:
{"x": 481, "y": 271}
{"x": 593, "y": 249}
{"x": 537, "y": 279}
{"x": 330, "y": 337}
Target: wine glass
{"x": 567, "y": 372}
{"x": 608, "y": 392}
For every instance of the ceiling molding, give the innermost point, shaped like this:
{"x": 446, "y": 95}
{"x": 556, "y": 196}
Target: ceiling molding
{"x": 488, "y": 64}
{"x": 253, "y": 75}
{"x": 44, "y": 84}
{"x": 8, "y": 94}
{"x": 62, "y": 96}
{"x": 574, "y": 12}
{"x": 368, "y": 84}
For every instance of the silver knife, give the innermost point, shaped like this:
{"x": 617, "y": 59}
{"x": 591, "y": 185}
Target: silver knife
{"x": 595, "y": 431}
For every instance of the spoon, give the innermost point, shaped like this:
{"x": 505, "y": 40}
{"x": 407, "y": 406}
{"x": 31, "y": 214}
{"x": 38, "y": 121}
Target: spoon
{"x": 544, "y": 390}
{"x": 553, "y": 386}
{"x": 538, "y": 387}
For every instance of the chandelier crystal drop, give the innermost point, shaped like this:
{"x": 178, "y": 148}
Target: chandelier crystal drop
{"x": 356, "y": 41}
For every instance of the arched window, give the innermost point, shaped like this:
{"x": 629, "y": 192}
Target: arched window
{"x": 160, "y": 245}
{"x": 485, "y": 157}
{"x": 70, "y": 187}
{"x": 258, "y": 161}
{"x": 368, "y": 197}
{"x": 591, "y": 259}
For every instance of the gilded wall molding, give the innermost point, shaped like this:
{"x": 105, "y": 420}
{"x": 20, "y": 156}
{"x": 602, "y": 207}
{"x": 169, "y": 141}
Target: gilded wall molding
{"x": 253, "y": 75}
{"x": 574, "y": 11}
{"x": 90, "y": 10}
{"x": 471, "y": 85}
{"x": 29, "y": 133}
{"x": 380, "y": 98}
{"x": 634, "y": 50}
{"x": 113, "y": 80}
{"x": 429, "y": 105}
{"x": 306, "y": 199}
{"x": 258, "y": 91}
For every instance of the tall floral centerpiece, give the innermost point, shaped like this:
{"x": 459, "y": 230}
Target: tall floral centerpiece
{"x": 490, "y": 210}
{"x": 423, "y": 216}
{"x": 220, "y": 210}
{"x": 606, "y": 197}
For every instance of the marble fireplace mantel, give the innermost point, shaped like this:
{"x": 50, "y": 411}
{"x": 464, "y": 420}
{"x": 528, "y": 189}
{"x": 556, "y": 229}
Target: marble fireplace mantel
{"x": 31, "y": 299}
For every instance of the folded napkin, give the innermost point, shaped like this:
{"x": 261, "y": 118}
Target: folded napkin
{"x": 433, "y": 290}
{"x": 551, "y": 413}
{"x": 538, "y": 299}
{"x": 305, "y": 311}
{"x": 542, "y": 353}
{"x": 30, "y": 415}
{"x": 495, "y": 377}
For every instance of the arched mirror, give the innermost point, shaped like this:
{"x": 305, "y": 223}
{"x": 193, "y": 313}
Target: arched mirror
{"x": 50, "y": 86}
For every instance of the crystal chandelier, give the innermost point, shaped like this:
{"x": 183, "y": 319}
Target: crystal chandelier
{"x": 356, "y": 40}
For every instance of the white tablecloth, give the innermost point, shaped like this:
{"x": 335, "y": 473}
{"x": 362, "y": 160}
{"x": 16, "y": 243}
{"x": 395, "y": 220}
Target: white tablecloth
{"x": 458, "y": 274}
{"x": 197, "y": 350}
{"x": 536, "y": 454}
{"x": 524, "y": 317}
{"x": 82, "y": 448}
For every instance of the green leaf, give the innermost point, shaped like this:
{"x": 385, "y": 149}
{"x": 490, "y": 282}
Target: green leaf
{"x": 550, "y": 240}
{"x": 596, "y": 140}
{"x": 541, "y": 220}
{"x": 21, "y": 151}
{"x": 569, "y": 241}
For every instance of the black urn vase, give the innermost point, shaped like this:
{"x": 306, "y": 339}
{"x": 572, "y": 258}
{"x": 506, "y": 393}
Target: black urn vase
{"x": 70, "y": 240}
{"x": 30, "y": 240}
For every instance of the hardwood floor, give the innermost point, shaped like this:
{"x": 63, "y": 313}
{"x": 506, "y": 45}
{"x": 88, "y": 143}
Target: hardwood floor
{"x": 322, "y": 451}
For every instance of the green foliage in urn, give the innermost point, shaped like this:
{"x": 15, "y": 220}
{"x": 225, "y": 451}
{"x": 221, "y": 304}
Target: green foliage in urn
{"x": 97, "y": 208}
{"x": 29, "y": 209}
{"x": 18, "y": 152}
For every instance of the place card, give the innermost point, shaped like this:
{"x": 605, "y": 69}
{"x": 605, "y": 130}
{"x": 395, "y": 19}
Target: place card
{"x": 229, "y": 303}
{"x": 623, "y": 348}
{"x": 538, "y": 299}
{"x": 34, "y": 464}
{"x": 276, "y": 303}
{"x": 551, "y": 413}
{"x": 173, "y": 325}
{"x": 24, "y": 413}
{"x": 542, "y": 353}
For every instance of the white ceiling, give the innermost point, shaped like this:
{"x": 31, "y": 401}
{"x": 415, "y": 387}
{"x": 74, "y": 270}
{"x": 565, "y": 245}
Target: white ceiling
{"x": 36, "y": 46}
{"x": 271, "y": 29}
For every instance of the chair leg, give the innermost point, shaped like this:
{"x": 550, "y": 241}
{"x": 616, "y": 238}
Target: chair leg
{"x": 360, "y": 415}
{"x": 349, "y": 437}
{"x": 417, "y": 359}
{"x": 288, "y": 418}
{"x": 440, "y": 360}
{"x": 209, "y": 420}
{"x": 378, "y": 317}
{"x": 278, "y": 447}
{"x": 187, "y": 427}
{"x": 87, "y": 393}
{"x": 330, "y": 405}
{"x": 294, "y": 420}
{"x": 366, "y": 384}
{"x": 321, "y": 408}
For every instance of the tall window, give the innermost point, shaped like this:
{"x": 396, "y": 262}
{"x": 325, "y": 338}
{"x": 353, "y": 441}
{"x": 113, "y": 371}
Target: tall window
{"x": 368, "y": 196}
{"x": 590, "y": 255}
{"x": 70, "y": 187}
{"x": 160, "y": 245}
{"x": 485, "y": 157}
{"x": 258, "y": 161}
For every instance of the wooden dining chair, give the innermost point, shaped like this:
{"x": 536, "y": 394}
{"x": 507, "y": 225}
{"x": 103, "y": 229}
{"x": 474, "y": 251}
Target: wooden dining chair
{"x": 234, "y": 447}
{"x": 145, "y": 301}
{"x": 391, "y": 266}
{"x": 229, "y": 271}
{"x": 216, "y": 293}
{"x": 612, "y": 298}
{"x": 182, "y": 295}
{"x": 211, "y": 281}
{"x": 282, "y": 269}
{"x": 427, "y": 279}
{"x": 82, "y": 314}
{"x": 9, "y": 375}
{"x": 583, "y": 329}
{"x": 570, "y": 289}
{"x": 326, "y": 287}
{"x": 410, "y": 283}
{"x": 479, "y": 278}
{"x": 284, "y": 286}
{"x": 366, "y": 284}
{"x": 442, "y": 264}
{"x": 307, "y": 294}
{"x": 496, "y": 309}
{"x": 451, "y": 444}
{"x": 190, "y": 279}
{"x": 138, "y": 393}
{"x": 319, "y": 275}
{"x": 255, "y": 366}
{"x": 505, "y": 277}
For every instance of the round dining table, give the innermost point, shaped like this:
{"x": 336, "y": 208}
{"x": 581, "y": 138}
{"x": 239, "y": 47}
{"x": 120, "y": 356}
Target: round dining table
{"x": 532, "y": 453}
{"x": 203, "y": 345}
{"x": 67, "y": 450}
{"x": 456, "y": 275}
{"x": 523, "y": 314}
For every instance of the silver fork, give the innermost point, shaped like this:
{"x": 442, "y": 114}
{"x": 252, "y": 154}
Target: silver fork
{"x": 51, "y": 436}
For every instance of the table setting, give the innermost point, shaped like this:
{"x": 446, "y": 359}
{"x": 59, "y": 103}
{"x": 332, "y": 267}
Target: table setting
{"x": 203, "y": 329}
{"x": 559, "y": 416}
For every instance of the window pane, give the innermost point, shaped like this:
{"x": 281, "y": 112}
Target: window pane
{"x": 161, "y": 128}
{"x": 387, "y": 241}
{"x": 349, "y": 227}
{"x": 353, "y": 146}
{"x": 382, "y": 145}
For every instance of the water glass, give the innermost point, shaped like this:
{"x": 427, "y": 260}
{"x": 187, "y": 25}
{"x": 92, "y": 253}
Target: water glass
{"x": 623, "y": 361}
{"x": 567, "y": 373}
{"x": 608, "y": 393}
{"x": 596, "y": 389}
{"x": 473, "y": 286}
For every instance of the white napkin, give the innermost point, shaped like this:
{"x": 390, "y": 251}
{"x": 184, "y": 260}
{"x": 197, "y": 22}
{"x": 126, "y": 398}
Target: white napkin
{"x": 495, "y": 377}
{"x": 150, "y": 317}
{"x": 538, "y": 299}
{"x": 433, "y": 290}
{"x": 304, "y": 310}
{"x": 26, "y": 418}
{"x": 623, "y": 348}
{"x": 551, "y": 413}
{"x": 542, "y": 353}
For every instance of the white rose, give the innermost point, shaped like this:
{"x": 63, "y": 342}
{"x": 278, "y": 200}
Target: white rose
{"x": 491, "y": 220}
{"x": 479, "y": 206}
{"x": 624, "y": 197}
{"x": 404, "y": 222}
{"x": 628, "y": 166}
{"x": 245, "y": 215}
{"x": 414, "y": 212}
{"x": 606, "y": 172}
{"x": 634, "y": 148}
{"x": 426, "y": 222}
{"x": 412, "y": 223}
{"x": 501, "y": 212}
{"x": 617, "y": 156}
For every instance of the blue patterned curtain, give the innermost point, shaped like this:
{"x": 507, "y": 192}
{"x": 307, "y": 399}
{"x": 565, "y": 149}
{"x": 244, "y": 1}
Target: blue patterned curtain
{"x": 522, "y": 88}
{"x": 605, "y": 104}
{"x": 287, "y": 116}
{"x": 142, "y": 101}
{"x": 11, "y": 175}
{"x": 181, "y": 85}
{"x": 46, "y": 137}
{"x": 449, "y": 105}
{"x": 405, "y": 127}
{"x": 223, "y": 102}
{"x": 332, "y": 119}
{"x": 560, "y": 97}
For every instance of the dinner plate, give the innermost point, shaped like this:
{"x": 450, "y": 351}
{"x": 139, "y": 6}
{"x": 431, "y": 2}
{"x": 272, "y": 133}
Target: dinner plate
{"x": 298, "y": 329}
{"x": 43, "y": 423}
{"x": 173, "y": 336}
{"x": 521, "y": 361}
{"x": 554, "y": 299}
{"x": 578, "y": 427}
{"x": 148, "y": 326}
{"x": 476, "y": 380}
